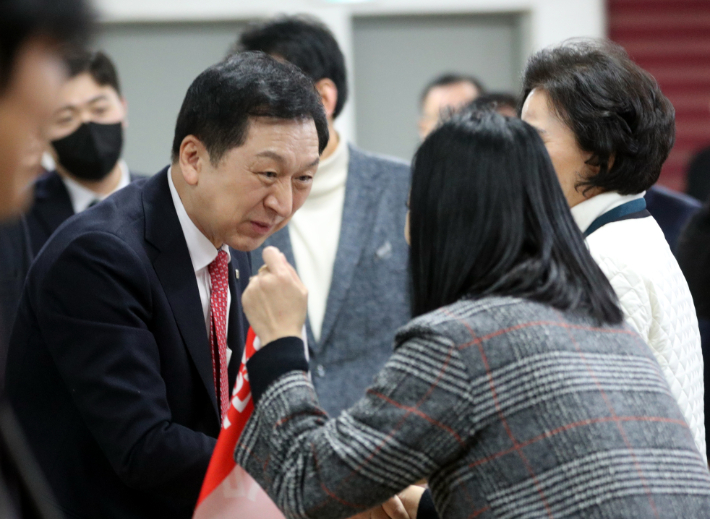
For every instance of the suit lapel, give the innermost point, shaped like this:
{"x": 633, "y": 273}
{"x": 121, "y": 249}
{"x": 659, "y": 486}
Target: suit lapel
{"x": 174, "y": 268}
{"x": 355, "y": 228}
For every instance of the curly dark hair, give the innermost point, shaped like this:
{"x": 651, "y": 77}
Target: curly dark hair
{"x": 615, "y": 109}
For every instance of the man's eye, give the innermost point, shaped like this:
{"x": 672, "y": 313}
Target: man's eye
{"x": 65, "y": 119}
{"x": 305, "y": 179}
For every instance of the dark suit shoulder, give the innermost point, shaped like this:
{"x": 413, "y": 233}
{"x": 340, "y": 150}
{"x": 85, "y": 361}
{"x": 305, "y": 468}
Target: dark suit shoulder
{"x": 48, "y": 183}
{"x": 50, "y": 208}
{"x": 120, "y": 215}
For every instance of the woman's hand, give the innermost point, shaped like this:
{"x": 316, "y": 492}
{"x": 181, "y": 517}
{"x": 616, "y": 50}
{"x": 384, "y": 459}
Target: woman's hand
{"x": 390, "y": 509}
{"x": 410, "y": 498}
{"x": 276, "y": 301}
{"x": 402, "y": 506}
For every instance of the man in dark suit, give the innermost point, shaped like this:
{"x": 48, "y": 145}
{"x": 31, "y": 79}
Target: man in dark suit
{"x": 130, "y": 328}
{"x": 347, "y": 242}
{"x": 86, "y": 140}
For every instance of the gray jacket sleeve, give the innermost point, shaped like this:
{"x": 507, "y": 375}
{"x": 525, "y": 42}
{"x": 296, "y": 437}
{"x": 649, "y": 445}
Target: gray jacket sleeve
{"x": 412, "y": 420}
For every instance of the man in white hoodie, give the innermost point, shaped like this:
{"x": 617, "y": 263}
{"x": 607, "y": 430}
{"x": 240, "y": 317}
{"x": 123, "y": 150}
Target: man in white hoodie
{"x": 608, "y": 129}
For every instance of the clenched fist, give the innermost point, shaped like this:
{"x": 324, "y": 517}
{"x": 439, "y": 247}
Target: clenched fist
{"x": 276, "y": 301}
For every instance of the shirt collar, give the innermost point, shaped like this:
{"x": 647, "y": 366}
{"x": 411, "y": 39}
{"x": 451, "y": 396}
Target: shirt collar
{"x": 201, "y": 250}
{"x": 586, "y": 212}
{"x": 82, "y": 197}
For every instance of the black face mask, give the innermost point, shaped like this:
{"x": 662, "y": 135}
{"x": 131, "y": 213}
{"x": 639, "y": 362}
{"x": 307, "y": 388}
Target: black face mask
{"x": 91, "y": 152}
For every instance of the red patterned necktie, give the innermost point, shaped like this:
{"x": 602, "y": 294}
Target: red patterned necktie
{"x": 219, "y": 273}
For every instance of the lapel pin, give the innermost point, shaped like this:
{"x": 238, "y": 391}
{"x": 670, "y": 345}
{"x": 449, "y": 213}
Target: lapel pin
{"x": 236, "y": 273}
{"x": 385, "y": 251}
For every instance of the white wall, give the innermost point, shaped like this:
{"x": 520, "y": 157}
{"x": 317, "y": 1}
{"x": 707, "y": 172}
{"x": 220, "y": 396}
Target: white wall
{"x": 549, "y": 21}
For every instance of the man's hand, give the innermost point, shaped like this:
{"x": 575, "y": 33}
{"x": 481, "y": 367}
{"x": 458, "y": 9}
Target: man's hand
{"x": 276, "y": 301}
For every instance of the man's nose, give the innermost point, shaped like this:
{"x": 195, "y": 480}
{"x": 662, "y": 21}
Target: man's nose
{"x": 280, "y": 199}
{"x": 86, "y": 116}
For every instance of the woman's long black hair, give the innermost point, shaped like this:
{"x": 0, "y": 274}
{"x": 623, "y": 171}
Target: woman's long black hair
{"x": 488, "y": 217}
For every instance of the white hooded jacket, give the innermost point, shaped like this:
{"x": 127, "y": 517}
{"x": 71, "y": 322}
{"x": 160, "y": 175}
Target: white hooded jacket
{"x": 654, "y": 297}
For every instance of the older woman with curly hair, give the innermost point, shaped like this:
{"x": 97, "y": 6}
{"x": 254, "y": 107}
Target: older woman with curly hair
{"x": 608, "y": 129}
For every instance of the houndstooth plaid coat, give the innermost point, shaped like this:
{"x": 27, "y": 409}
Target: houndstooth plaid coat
{"x": 510, "y": 409}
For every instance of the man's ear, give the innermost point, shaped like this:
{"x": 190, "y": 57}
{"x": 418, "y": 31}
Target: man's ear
{"x": 124, "y": 103}
{"x": 328, "y": 94}
{"x": 191, "y": 158}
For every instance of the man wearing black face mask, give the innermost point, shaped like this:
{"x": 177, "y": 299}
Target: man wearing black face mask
{"x": 86, "y": 139}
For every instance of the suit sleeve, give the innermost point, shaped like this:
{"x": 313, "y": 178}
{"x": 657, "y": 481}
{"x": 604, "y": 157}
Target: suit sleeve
{"x": 414, "y": 419}
{"x": 94, "y": 308}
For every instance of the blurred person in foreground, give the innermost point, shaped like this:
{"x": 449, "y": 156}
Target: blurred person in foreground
{"x": 15, "y": 251}
{"x": 444, "y": 95}
{"x": 85, "y": 137}
{"x": 608, "y": 129}
{"x": 33, "y": 36}
{"x": 346, "y": 241}
{"x": 86, "y": 141}
{"x": 516, "y": 390}
{"x": 130, "y": 329}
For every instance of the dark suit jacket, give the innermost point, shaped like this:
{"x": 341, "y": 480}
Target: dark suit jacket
{"x": 369, "y": 296}
{"x": 15, "y": 260}
{"x": 109, "y": 368}
{"x": 50, "y": 208}
{"x": 671, "y": 210}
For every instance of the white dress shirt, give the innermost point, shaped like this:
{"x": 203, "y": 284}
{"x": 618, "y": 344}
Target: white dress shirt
{"x": 82, "y": 197}
{"x": 314, "y": 231}
{"x": 202, "y": 253}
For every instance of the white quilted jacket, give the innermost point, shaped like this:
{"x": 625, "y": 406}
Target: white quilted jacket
{"x": 655, "y": 299}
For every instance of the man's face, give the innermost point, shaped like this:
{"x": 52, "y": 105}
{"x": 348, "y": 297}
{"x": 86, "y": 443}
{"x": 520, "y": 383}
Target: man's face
{"x": 26, "y": 106}
{"x": 442, "y": 98}
{"x": 83, "y": 100}
{"x": 568, "y": 159}
{"x": 256, "y": 187}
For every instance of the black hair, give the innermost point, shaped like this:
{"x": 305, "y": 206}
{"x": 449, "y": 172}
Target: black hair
{"x": 494, "y": 101}
{"x": 222, "y": 99}
{"x": 615, "y": 109}
{"x": 304, "y": 41}
{"x": 64, "y": 22}
{"x": 97, "y": 64}
{"x": 451, "y": 78}
{"x": 488, "y": 217}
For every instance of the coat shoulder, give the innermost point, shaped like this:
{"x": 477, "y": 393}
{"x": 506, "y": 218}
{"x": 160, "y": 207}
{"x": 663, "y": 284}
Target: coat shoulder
{"x": 364, "y": 161}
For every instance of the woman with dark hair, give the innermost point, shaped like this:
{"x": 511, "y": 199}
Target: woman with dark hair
{"x": 516, "y": 391}
{"x": 608, "y": 129}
